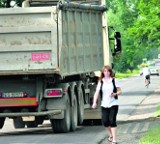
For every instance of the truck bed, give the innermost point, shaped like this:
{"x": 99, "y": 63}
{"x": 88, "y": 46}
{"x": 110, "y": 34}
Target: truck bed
{"x": 43, "y": 40}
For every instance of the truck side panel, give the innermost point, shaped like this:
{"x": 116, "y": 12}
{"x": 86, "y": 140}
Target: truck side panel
{"x": 28, "y": 40}
{"x": 82, "y": 43}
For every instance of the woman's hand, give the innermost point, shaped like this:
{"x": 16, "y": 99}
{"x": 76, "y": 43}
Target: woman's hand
{"x": 95, "y": 98}
{"x": 119, "y": 91}
{"x": 94, "y": 105}
{"x": 113, "y": 94}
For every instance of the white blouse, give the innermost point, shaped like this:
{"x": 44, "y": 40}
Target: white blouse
{"x": 107, "y": 90}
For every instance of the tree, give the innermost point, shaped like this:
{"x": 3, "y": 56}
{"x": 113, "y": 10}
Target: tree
{"x": 121, "y": 15}
{"x": 147, "y": 26}
{"x": 6, "y": 3}
{"x": 139, "y": 24}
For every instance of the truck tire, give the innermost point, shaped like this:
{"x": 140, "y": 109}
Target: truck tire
{"x": 80, "y": 106}
{"x": 2, "y": 122}
{"x": 31, "y": 124}
{"x": 74, "y": 113}
{"x": 63, "y": 125}
{"x": 18, "y": 122}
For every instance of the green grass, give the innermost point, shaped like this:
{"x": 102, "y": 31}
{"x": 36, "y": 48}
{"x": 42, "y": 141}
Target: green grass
{"x": 127, "y": 74}
{"x": 151, "y": 137}
{"x": 157, "y": 113}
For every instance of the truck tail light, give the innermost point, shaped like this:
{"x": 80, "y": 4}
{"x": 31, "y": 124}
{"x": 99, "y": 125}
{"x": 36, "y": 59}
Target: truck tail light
{"x": 25, "y": 94}
{"x": 54, "y": 93}
{"x": 1, "y": 94}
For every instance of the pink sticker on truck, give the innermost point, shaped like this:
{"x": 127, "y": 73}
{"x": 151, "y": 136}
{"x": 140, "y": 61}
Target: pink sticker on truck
{"x": 41, "y": 56}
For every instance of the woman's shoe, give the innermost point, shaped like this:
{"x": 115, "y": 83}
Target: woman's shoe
{"x": 110, "y": 138}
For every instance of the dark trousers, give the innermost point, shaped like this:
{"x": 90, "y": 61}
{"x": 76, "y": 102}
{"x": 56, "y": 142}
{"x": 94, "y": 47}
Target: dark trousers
{"x": 109, "y": 116}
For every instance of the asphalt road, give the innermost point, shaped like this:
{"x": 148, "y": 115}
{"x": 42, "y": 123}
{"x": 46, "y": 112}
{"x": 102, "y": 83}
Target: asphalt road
{"x": 134, "y": 93}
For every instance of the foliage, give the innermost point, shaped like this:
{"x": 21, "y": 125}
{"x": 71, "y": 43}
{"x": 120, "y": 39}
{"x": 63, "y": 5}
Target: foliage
{"x": 6, "y": 3}
{"x": 147, "y": 26}
{"x": 139, "y": 24}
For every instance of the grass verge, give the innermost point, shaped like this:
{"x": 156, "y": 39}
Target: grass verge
{"x": 157, "y": 113}
{"x": 151, "y": 137}
{"x": 127, "y": 74}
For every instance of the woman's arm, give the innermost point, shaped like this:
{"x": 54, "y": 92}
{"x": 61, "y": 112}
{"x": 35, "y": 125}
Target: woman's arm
{"x": 95, "y": 98}
{"x": 119, "y": 91}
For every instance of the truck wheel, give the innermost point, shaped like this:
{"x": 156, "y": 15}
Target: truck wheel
{"x": 18, "y": 122}
{"x": 80, "y": 106}
{"x": 63, "y": 125}
{"x": 74, "y": 113}
{"x": 31, "y": 124}
{"x": 2, "y": 122}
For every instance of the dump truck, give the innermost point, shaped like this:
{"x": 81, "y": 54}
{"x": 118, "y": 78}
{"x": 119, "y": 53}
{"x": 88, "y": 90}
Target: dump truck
{"x": 48, "y": 58}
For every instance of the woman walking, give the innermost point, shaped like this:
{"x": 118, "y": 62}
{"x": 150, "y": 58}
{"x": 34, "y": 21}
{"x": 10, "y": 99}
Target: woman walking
{"x": 109, "y": 89}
